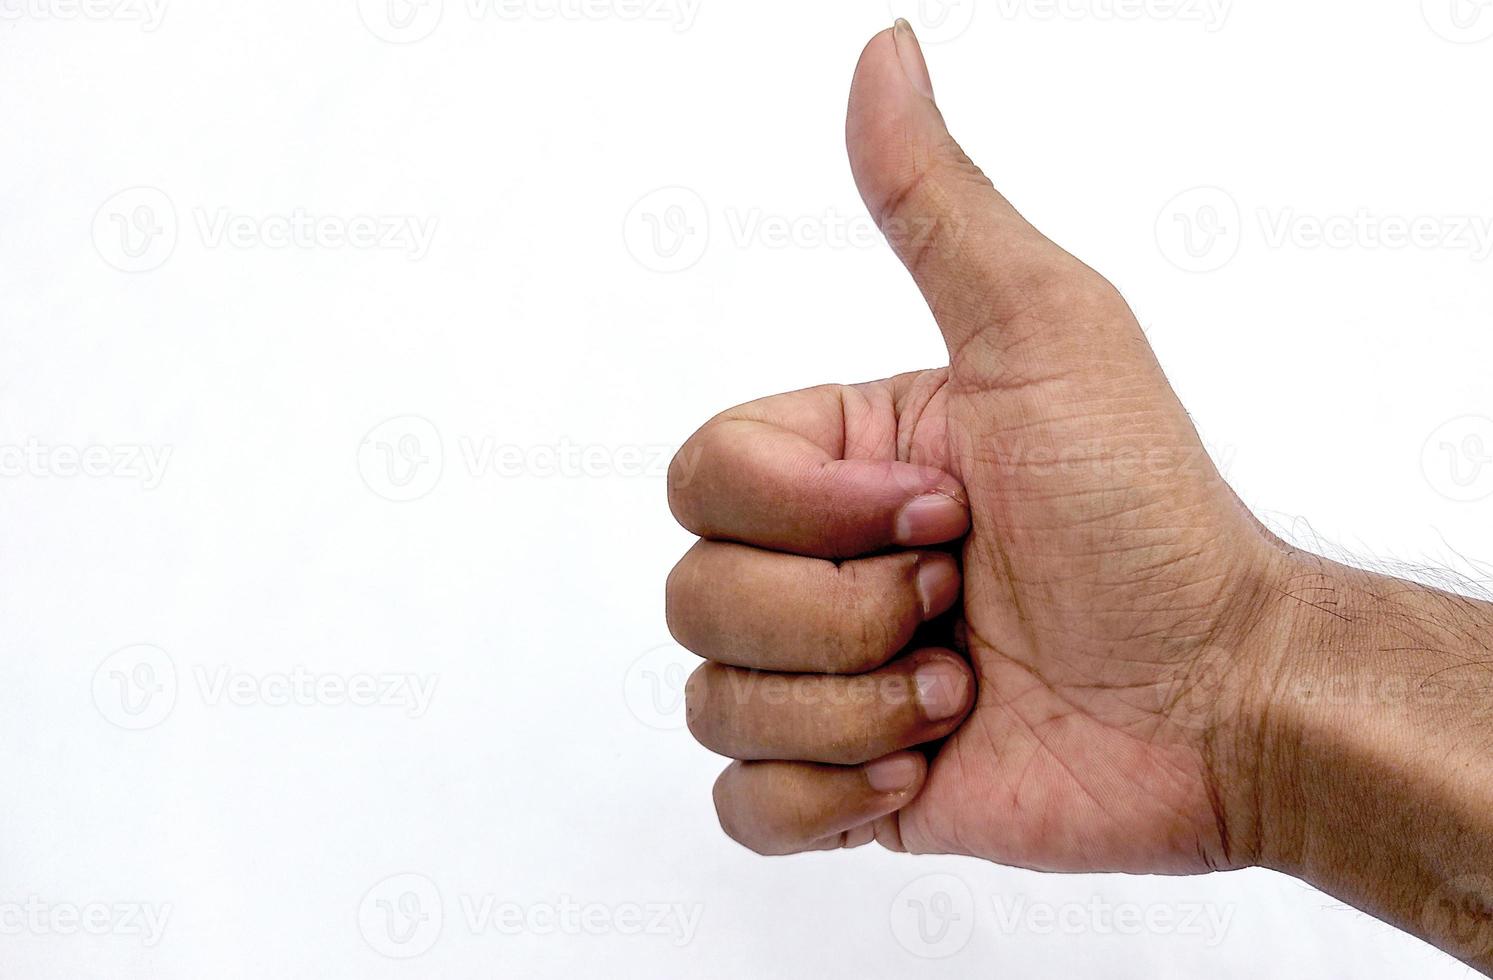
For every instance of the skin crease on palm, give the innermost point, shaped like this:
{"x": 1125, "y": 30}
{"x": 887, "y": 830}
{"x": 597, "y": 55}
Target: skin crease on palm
{"x": 1116, "y": 673}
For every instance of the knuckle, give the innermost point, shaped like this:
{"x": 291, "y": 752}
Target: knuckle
{"x": 728, "y": 813}
{"x": 685, "y": 478}
{"x": 858, "y": 635}
{"x": 678, "y": 598}
{"x": 921, "y": 209}
{"x": 851, "y": 648}
{"x": 845, "y": 717}
{"x": 907, "y": 199}
{"x": 699, "y": 715}
{"x": 858, "y": 742}
{"x": 725, "y": 811}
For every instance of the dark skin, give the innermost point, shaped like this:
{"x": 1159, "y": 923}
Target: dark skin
{"x": 1127, "y": 684}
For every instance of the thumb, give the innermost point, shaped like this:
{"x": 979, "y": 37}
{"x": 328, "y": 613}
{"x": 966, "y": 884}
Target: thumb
{"x": 979, "y": 263}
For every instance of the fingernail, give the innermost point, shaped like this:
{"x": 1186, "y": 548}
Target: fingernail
{"x": 938, "y": 585}
{"x": 931, "y": 519}
{"x": 913, "y": 63}
{"x": 892, "y": 774}
{"x": 941, "y": 689}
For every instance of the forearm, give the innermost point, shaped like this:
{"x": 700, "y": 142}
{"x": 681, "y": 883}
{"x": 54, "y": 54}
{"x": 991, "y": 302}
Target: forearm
{"x": 1375, "y": 751}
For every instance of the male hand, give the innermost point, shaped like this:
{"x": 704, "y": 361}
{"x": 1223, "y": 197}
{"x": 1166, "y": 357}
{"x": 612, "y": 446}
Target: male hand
{"x": 1092, "y": 714}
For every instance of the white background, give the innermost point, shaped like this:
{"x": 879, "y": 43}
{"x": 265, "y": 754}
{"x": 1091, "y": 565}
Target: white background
{"x": 551, "y": 363}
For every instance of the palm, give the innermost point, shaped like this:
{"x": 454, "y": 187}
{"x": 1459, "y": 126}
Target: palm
{"x": 1095, "y": 573}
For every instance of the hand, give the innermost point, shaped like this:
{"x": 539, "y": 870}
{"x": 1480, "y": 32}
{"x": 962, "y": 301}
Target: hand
{"x": 1112, "y": 585}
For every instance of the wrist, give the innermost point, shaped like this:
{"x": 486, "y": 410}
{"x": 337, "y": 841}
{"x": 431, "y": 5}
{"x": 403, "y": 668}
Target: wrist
{"x": 1327, "y": 692}
{"x": 1306, "y": 662}
{"x": 1365, "y": 674}
{"x": 1361, "y": 761}
{"x": 1244, "y": 749}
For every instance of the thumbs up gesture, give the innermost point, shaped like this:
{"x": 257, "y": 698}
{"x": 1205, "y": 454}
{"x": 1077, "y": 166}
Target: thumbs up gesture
{"x": 1004, "y": 608}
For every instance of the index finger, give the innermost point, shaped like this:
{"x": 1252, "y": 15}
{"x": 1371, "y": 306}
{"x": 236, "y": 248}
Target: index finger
{"x": 783, "y": 474}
